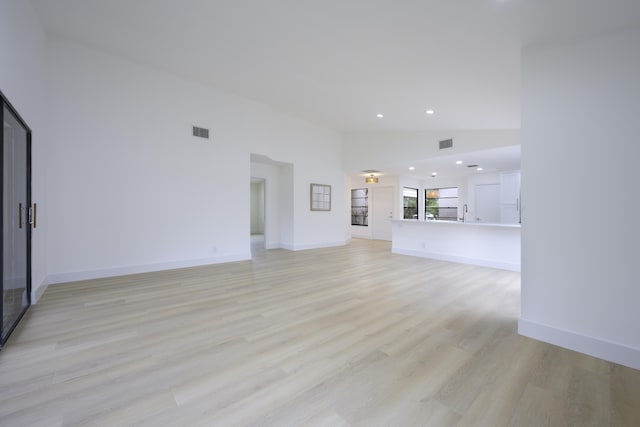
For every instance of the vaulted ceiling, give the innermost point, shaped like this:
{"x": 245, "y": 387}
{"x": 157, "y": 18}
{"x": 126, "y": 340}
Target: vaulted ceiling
{"x": 338, "y": 63}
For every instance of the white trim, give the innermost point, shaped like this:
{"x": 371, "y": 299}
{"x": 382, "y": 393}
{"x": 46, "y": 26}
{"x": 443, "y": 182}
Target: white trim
{"x": 122, "y": 271}
{"x": 313, "y": 246}
{"x": 458, "y": 259}
{"x": 36, "y": 293}
{"x": 356, "y": 235}
{"x": 607, "y": 350}
{"x": 319, "y": 245}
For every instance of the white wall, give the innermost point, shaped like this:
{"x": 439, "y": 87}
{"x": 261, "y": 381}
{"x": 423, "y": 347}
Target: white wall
{"x": 22, "y": 80}
{"x": 286, "y": 207}
{"x": 316, "y": 229}
{"x": 580, "y": 128}
{"x": 134, "y": 191}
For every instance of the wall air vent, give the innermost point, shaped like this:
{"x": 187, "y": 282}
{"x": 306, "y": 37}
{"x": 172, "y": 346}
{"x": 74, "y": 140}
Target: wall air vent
{"x": 201, "y": 132}
{"x": 446, "y": 143}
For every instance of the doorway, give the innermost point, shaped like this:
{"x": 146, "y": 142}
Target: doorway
{"x": 17, "y": 219}
{"x": 382, "y": 212}
{"x": 257, "y": 213}
{"x": 488, "y": 203}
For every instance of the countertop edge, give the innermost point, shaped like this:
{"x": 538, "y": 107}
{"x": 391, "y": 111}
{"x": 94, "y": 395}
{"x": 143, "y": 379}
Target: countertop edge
{"x": 477, "y": 224}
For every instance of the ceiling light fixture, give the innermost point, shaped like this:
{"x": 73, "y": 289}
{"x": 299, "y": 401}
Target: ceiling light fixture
{"x": 379, "y": 115}
{"x": 371, "y": 179}
{"x": 479, "y": 169}
{"x": 459, "y": 162}
{"x": 433, "y": 174}
{"x": 430, "y": 112}
{"x": 412, "y": 168}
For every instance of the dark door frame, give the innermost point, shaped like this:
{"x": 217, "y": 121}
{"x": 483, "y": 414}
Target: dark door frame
{"x": 5, "y": 103}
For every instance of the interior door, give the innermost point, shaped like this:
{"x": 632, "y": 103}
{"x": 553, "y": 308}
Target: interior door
{"x": 16, "y": 219}
{"x": 488, "y": 203}
{"x": 382, "y": 212}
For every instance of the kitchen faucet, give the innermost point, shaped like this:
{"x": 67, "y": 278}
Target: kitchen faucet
{"x": 464, "y": 211}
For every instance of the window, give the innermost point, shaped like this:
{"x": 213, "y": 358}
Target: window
{"x": 441, "y": 203}
{"x": 410, "y": 202}
{"x": 360, "y": 206}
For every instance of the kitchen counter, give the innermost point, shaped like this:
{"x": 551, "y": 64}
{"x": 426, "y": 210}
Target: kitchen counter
{"x": 489, "y": 245}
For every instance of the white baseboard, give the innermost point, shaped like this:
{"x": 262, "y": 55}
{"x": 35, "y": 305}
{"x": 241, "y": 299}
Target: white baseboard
{"x": 355, "y": 236}
{"x": 462, "y": 260}
{"x": 37, "y": 292}
{"x": 305, "y": 247}
{"x": 613, "y": 352}
{"x": 314, "y": 246}
{"x": 122, "y": 271}
{"x": 362, "y": 236}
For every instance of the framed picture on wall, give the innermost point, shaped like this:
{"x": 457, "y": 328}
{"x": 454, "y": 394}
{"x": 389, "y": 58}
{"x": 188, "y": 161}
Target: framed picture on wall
{"x": 320, "y": 197}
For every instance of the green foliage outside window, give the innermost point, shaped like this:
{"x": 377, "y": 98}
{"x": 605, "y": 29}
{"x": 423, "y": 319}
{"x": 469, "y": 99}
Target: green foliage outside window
{"x": 410, "y": 203}
{"x": 433, "y": 208}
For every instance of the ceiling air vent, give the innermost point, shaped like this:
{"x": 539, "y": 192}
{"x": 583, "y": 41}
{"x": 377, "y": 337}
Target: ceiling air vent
{"x": 446, "y": 143}
{"x": 201, "y": 132}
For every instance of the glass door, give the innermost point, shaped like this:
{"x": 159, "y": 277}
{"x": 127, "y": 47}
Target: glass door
{"x": 16, "y": 219}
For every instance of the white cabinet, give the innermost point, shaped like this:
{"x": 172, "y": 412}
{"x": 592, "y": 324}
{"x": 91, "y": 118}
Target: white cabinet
{"x": 510, "y": 197}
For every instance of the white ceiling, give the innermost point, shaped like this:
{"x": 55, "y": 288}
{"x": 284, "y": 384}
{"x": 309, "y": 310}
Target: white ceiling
{"x": 339, "y": 62}
{"x": 490, "y": 160}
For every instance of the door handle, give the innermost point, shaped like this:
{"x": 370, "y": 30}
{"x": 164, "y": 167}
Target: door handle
{"x": 31, "y": 215}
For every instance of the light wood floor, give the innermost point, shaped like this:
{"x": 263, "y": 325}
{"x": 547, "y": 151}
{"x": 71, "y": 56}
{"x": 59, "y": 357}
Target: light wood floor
{"x": 331, "y": 337}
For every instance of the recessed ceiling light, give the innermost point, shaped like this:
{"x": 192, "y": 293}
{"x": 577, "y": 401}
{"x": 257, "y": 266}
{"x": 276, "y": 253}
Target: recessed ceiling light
{"x": 379, "y": 115}
{"x": 430, "y": 111}
{"x": 412, "y": 168}
{"x": 479, "y": 169}
{"x": 434, "y": 173}
{"x": 459, "y": 162}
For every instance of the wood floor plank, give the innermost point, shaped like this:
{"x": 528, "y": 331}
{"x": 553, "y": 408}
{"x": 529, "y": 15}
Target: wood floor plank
{"x": 346, "y": 336}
